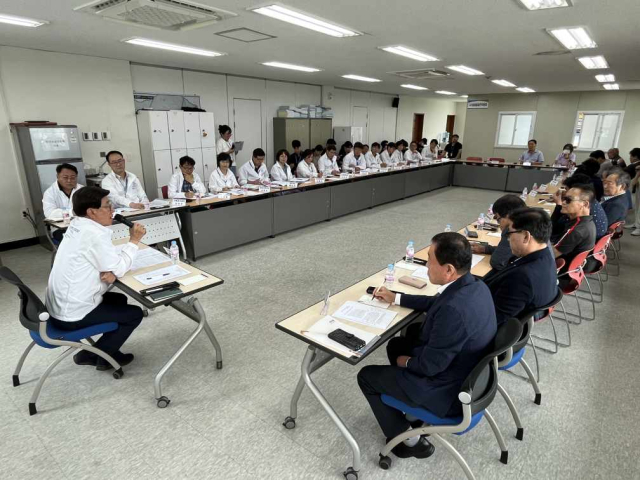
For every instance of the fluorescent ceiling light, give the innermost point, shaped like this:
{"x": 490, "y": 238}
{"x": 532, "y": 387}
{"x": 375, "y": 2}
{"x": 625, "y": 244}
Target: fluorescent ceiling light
{"x": 594, "y": 62}
{"x": 606, "y": 78}
{"x": 21, "y": 21}
{"x": 465, "y": 70}
{"x": 290, "y": 66}
{"x": 503, "y": 83}
{"x": 526, "y": 90}
{"x": 573, "y": 38}
{"x": 144, "y": 42}
{"x": 362, "y": 79}
{"x": 611, "y": 86}
{"x": 302, "y": 20}
{"x": 414, "y": 87}
{"x": 410, "y": 53}
{"x": 544, "y": 4}
{"x": 444, "y": 92}
{"x": 464, "y": 96}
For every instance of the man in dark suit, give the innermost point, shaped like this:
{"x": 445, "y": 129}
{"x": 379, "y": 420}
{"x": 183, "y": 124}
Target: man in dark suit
{"x": 428, "y": 369}
{"x": 529, "y": 281}
{"x": 615, "y": 202}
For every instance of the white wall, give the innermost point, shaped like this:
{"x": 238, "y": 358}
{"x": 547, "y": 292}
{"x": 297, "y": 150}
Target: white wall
{"x": 435, "y": 113}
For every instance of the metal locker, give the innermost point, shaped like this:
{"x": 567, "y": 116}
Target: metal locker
{"x": 209, "y": 163}
{"x": 208, "y": 132}
{"x": 196, "y": 154}
{"x": 159, "y": 130}
{"x": 163, "y": 167}
{"x": 192, "y": 129}
{"x": 176, "y": 155}
{"x": 176, "y": 129}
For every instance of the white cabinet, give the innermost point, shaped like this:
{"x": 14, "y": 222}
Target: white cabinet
{"x": 159, "y": 130}
{"x": 176, "y": 155}
{"x": 208, "y": 133}
{"x": 209, "y": 163}
{"x": 164, "y": 170}
{"x": 176, "y": 129}
{"x": 196, "y": 154}
{"x": 192, "y": 129}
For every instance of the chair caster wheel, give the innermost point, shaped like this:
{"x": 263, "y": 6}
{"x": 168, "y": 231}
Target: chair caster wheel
{"x": 350, "y": 474}
{"x": 163, "y": 402}
{"x": 118, "y": 374}
{"x": 504, "y": 457}
{"x": 289, "y": 423}
{"x": 384, "y": 462}
{"x": 32, "y": 409}
{"x": 219, "y": 365}
{"x": 538, "y": 399}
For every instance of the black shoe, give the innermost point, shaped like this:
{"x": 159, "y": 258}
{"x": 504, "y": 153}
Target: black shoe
{"x": 85, "y": 358}
{"x": 423, "y": 449}
{"x": 122, "y": 358}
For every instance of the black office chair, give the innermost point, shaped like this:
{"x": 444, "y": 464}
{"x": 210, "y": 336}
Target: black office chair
{"x": 477, "y": 392}
{"x": 34, "y": 317}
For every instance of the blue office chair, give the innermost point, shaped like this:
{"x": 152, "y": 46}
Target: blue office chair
{"x": 477, "y": 392}
{"x": 34, "y": 317}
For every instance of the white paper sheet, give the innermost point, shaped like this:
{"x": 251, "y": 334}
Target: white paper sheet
{"x": 365, "y": 315}
{"x": 322, "y": 328}
{"x": 476, "y": 259}
{"x": 159, "y": 203}
{"x": 148, "y": 257}
{"x": 494, "y": 234}
{"x": 407, "y": 266}
{"x": 373, "y": 302}
{"x": 191, "y": 280}
{"x": 161, "y": 275}
{"x": 422, "y": 273}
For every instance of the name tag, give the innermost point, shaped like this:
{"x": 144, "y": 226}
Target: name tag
{"x": 384, "y": 170}
{"x": 554, "y": 182}
{"x": 543, "y": 188}
{"x": 224, "y": 196}
{"x": 178, "y": 202}
{"x": 264, "y": 189}
{"x": 345, "y": 175}
{"x": 318, "y": 180}
{"x": 533, "y": 193}
{"x": 526, "y": 164}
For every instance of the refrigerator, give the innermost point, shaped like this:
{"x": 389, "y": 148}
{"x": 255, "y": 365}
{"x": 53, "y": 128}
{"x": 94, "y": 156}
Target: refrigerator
{"x": 40, "y": 149}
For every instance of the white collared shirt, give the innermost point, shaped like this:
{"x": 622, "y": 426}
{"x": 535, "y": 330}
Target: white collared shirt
{"x": 393, "y": 159}
{"x": 427, "y": 154}
{"x": 412, "y": 157}
{"x": 350, "y": 161}
{"x": 222, "y": 146}
{"x": 280, "y": 173}
{"x": 175, "y": 184}
{"x": 372, "y": 160}
{"x": 325, "y": 164}
{"x": 55, "y": 200}
{"x": 123, "y": 193}
{"x": 247, "y": 173}
{"x": 220, "y": 180}
{"x": 306, "y": 170}
{"x": 74, "y": 287}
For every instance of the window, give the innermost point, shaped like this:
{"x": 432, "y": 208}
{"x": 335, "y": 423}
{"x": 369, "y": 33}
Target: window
{"x": 515, "y": 129}
{"x": 597, "y": 130}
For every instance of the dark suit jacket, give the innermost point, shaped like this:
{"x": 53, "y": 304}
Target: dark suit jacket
{"x": 526, "y": 283}
{"x": 460, "y": 325}
{"x": 616, "y": 208}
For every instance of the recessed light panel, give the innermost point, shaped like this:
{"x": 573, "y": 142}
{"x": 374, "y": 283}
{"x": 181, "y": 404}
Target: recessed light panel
{"x": 544, "y": 4}
{"x": 414, "y": 87}
{"x": 526, "y": 90}
{"x": 290, "y": 66}
{"x": 360, "y": 78}
{"x": 444, "y": 92}
{"x": 573, "y": 38}
{"x": 465, "y": 70}
{"x": 611, "y": 86}
{"x": 593, "y": 63}
{"x": 306, "y": 21}
{"x": 606, "y": 78}
{"x": 21, "y": 21}
{"x": 145, "y": 42}
{"x": 410, "y": 53}
{"x": 503, "y": 83}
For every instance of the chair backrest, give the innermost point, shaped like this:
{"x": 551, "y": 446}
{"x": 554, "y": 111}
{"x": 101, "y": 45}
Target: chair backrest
{"x": 616, "y": 230}
{"x": 574, "y": 270}
{"x": 496, "y": 159}
{"x": 560, "y": 263}
{"x": 30, "y": 305}
{"x": 600, "y": 251}
{"x": 482, "y": 382}
{"x": 474, "y": 159}
{"x": 165, "y": 191}
{"x": 541, "y": 312}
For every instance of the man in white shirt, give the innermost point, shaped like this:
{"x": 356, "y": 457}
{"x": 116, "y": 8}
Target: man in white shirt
{"x": 391, "y": 157}
{"x": 328, "y": 163}
{"x": 86, "y": 264}
{"x": 373, "y": 157}
{"x": 412, "y": 155}
{"x": 124, "y": 187}
{"x": 59, "y": 195}
{"x": 354, "y": 161}
{"x": 306, "y": 168}
{"x": 254, "y": 171}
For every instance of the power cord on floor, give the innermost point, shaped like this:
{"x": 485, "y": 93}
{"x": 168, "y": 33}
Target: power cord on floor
{"x": 27, "y": 214}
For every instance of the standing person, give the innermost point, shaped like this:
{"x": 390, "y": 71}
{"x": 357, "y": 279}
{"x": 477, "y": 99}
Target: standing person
{"x": 532, "y": 155}
{"x": 86, "y": 265}
{"x": 355, "y": 160}
{"x": 186, "y": 180}
{"x": 296, "y": 156}
{"x": 125, "y": 190}
{"x": 633, "y": 170}
{"x": 328, "y": 163}
{"x": 306, "y": 168}
{"x": 566, "y": 158}
{"x": 254, "y": 171}
{"x": 281, "y": 171}
{"x": 373, "y": 157}
{"x": 222, "y": 178}
{"x": 430, "y": 152}
{"x": 225, "y": 144}
{"x": 412, "y": 155}
{"x": 453, "y": 149}
{"x": 59, "y": 195}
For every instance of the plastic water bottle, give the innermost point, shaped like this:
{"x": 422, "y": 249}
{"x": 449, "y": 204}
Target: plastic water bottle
{"x": 175, "y": 252}
{"x": 534, "y": 188}
{"x": 389, "y": 276}
{"x": 490, "y": 212}
{"x": 410, "y": 252}
{"x": 554, "y": 179}
{"x": 447, "y": 228}
{"x": 481, "y": 222}
{"x": 66, "y": 216}
{"x": 525, "y": 192}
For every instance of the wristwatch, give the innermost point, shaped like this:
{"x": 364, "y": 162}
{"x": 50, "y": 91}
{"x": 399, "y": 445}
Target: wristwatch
{"x": 406, "y": 365}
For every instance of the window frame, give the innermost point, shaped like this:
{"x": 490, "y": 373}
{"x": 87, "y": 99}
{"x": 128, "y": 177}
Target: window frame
{"x": 600, "y": 114}
{"x": 533, "y": 115}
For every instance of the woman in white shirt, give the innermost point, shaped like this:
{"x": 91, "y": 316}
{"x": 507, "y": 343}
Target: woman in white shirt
{"x": 412, "y": 155}
{"x": 186, "y": 180}
{"x": 306, "y": 168}
{"x": 430, "y": 152}
{"x": 224, "y": 144}
{"x": 222, "y": 178}
{"x": 281, "y": 171}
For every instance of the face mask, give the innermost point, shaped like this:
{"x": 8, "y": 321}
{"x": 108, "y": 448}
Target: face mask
{"x": 566, "y": 152}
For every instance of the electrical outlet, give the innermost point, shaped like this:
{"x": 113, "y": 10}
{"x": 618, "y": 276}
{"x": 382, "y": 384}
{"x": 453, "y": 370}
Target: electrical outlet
{"x": 106, "y": 135}
{"x": 96, "y": 136}
{"x": 87, "y": 137}
{"x": 103, "y": 154}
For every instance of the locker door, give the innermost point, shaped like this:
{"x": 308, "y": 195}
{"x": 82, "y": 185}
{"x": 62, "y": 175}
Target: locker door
{"x": 176, "y": 129}
{"x": 176, "y": 155}
{"x": 208, "y": 132}
{"x": 196, "y": 154}
{"x": 159, "y": 130}
{"x": 209, "y": 163}
{"x": 164, "y": 170}
{"x": 192, "y": 129}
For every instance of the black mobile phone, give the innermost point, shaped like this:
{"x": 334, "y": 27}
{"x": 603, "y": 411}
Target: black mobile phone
{"x": 347, "y": 339}
{"x": 156, "y": 297}
{"x": 471, "y": 234}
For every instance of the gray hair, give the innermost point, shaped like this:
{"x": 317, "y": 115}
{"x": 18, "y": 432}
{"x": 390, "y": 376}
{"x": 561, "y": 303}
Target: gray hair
{"x": 622, "y": 177}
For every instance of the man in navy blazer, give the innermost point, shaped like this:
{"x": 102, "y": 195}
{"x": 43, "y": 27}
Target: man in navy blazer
{"x": 428, "y": 369}
{"x": 530, "y": 280}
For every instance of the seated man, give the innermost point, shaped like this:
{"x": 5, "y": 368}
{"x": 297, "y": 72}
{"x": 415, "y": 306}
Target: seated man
{"x": 412, "y": 155}
{"x": 254, "y": 171}
{"x": 306, "y": 168}
{"x": 124, "y": 187}
{"x": 615, "y": 202}
{"x": 354, "y": 161}
{"x": 501, "y": 254}
{"x": 86, "y": 264}
{"x": 390, "y": 157}
{"x": 59, "y": 195}
{"x": 328, "y": 163}
{"x": 597, "y": 213}
{"x": 427, "y": 370}
{"x": 580, "y": 233}
{"x": 373, "y": 157}
{"x": 529, "y": 281}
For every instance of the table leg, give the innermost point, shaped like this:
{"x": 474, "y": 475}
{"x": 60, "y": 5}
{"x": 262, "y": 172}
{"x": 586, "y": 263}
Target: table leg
{"x": 313, "y": 360}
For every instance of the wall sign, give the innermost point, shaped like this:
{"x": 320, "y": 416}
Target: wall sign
{"x": 473, "y": 104}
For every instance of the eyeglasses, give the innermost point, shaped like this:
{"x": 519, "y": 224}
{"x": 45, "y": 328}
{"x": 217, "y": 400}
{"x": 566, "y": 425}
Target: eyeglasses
{"x": 511, "y": 232}
{"x": 567, "y": 200}
{"x": 117, "y": 162}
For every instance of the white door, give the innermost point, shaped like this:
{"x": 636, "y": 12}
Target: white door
{"x": 159, "y": 130}
{"x": 247, "y": 127}
{"x": 176, "y": 128}
{"x": 360, "y": 119}
{"x": 208, "y": 134}
{"x": 209, "y": 163}
{"x": 164, "y": 170}
{"x": 192, "y": 129}
{"x": 390, "y": 116}
{"x": 176, "y": 155}
{"x": 196, "y": 154}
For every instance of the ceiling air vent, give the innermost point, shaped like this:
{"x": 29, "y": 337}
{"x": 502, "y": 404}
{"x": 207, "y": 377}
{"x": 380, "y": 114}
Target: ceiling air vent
{"x": 159, "y": 14}
{"x": 552, "y": 53}
{"x": 422, "y": 74}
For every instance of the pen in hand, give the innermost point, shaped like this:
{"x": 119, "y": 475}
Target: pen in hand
{"x": 373, "y": 297}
